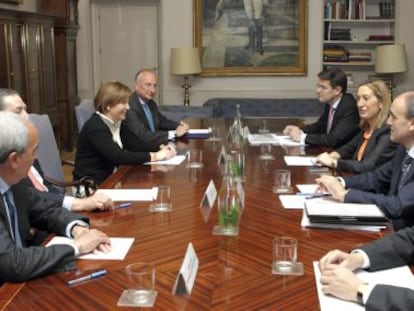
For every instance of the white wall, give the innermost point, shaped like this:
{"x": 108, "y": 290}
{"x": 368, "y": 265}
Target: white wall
{"x": 177, "y": 31}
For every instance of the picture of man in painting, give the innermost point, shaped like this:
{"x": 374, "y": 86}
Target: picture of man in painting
{"x": 250, "y": 33}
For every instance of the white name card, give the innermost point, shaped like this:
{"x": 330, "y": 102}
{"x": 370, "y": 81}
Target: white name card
{"x": 209, "y": 196}
{"x": 187, "y": 274}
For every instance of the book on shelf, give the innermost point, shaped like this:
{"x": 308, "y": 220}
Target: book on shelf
{"x": 359, "y": 56}
{"x": 380, "y": 38}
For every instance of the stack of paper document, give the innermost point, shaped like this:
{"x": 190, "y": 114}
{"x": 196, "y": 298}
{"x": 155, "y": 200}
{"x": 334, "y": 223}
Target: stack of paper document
{"x": 198, "y": 133}
{"x": 257, "y": 139}
{"x": 344, "y": 213}
{"x": 271, "y": 138}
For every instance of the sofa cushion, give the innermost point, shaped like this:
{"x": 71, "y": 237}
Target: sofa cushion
{"x": 266, "y": 107}
{"x": 178, "y": 113}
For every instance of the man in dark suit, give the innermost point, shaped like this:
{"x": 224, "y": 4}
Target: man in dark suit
{"x": 394, "y": 250}
{"x": 21, "y": 208}
{"x": 339, "y": 122}
{"x": 391, "y": 186}
{"x": 11, "y": 101}
{"x": 144, "y": 124}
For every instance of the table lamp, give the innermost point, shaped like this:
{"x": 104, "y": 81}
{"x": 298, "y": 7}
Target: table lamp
{"x": 185, "y": 62}
{"x": 390, "y": 59}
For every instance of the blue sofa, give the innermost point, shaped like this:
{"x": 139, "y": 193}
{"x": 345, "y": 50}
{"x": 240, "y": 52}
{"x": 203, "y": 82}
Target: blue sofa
{"x": 266, "y": 107}
{"x": 178, "y": 113}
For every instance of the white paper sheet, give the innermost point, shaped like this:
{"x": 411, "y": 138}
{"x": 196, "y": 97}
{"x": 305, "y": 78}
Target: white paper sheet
{"x": 307, "y": 188}
{"x": 292, "y": 201}
{"x": 130, "y": 194}
{"x": 119, "y": 248}
{"x": 400, "y": 276}
{"x": 299, "y": 161}
{"x": 177, "y": 160}
{"x": 286, "y": 141}
{"x": 305, "y": 222}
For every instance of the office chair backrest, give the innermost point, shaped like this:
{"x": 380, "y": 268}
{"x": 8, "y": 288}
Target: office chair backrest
{"x": 48, "y": 152}
{"x": 83, "y": 111}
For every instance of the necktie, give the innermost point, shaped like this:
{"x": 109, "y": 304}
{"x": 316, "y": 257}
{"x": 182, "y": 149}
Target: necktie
{"x": 148, "y": 114}
{"x": 36, "y": 182}
{"x": 330, "y": 119}
{"x": 13, "y": 218}
{"x": 405, "y": 167}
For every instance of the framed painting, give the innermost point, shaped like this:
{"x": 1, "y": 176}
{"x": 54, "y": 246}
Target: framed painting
{"x": 251, "y": 37}
{"x": 12, "y": 1}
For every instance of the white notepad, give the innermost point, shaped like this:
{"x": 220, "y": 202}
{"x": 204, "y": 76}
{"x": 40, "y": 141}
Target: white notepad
{"x": 119, "y": 248}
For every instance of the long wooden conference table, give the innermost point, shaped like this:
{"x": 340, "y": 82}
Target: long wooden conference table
{"x": 234, "y": 272}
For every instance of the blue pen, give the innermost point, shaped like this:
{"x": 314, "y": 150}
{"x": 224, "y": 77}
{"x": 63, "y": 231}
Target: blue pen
{"x": 91, "y": 276}
{"x": 124, "y": 205}
{"x": 318, "y": 195}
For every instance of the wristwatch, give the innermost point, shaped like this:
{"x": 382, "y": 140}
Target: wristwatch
{"x": 360, "y": 293}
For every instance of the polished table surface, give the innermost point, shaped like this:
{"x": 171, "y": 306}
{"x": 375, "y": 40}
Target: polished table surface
{"x": 234, "y": 272}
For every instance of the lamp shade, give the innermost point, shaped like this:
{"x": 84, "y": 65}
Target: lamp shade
{"x": 185, "y": 61}
{"x": 390, "y": 58}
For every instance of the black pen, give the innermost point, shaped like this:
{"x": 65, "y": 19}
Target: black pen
{"x": 91, "y": 276}
{"x": 318, "y": 195}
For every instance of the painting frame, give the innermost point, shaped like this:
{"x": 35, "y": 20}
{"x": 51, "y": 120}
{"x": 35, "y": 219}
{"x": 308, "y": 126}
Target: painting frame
{"x": 287, "y": 58}
{"x": 12, "y": 1}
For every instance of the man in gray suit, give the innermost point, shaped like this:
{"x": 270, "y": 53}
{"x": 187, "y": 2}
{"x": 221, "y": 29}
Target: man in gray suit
{"x": 394, "y": 250}
{"x": 22, "y": 207}
{"x": 144, "y": 124}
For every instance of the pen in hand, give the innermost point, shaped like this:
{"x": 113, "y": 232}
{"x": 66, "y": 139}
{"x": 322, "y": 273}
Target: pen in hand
{"x": 318, "y": 195}
{"x": 91, "y": 276}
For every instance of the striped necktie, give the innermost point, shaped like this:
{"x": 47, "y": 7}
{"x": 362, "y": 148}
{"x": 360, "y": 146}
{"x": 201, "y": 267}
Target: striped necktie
{"x": 148, "y": 114}
{"x": 14, "y": 223}
{"x": 405, "y": 167}
{"x": 330, "y": 119}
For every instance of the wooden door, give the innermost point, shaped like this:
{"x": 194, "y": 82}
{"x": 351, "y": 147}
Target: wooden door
{"x": 126, "y": 38}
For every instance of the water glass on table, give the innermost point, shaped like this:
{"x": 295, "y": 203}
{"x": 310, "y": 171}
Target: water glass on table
{"x": 162, "y": 200}
{"x": 195, "y": 158}
{"x": 140, "y": 285}
{"x": 285, "y": 252}
{"x": 282, "y": 181}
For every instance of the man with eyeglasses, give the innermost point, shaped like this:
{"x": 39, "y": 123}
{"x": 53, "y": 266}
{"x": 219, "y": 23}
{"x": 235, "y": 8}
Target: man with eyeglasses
{"x": 144, "y": 122}
{"x": 339, "y": 122}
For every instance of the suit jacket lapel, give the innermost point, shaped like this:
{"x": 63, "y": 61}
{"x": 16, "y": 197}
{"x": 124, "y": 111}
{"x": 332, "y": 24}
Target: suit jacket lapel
{"x": 21, "y": 200}
{"x": 3, "y": 214}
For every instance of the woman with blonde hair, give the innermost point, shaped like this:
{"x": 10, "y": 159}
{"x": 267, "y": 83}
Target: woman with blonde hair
{"x": 372, "y": 146}
{"x": 99, "y": 148}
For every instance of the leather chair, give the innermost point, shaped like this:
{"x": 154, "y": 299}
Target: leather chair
{"x": 83, "y": 111}
{"x": 49, "y": 156}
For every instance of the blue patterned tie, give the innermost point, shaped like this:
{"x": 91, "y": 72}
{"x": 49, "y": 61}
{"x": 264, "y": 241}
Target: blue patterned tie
{"x": 8, "y": 195}
{"x": 148, "y": 114}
